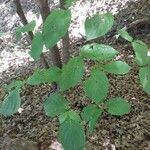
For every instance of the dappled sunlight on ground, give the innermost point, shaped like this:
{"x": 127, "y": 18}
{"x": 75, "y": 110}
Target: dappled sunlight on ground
{"x": 13, "y": 59}
{"x": 11, "y": 53}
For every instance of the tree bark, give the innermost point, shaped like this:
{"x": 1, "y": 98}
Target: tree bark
{"x": 45, "y": 11}
{"x": 24, "y": 21}
{"x": 21, "y": 14}
{"x": 65, "y": 41}
{"x": 44, "y": 8}
{"x": 65, "y": 48}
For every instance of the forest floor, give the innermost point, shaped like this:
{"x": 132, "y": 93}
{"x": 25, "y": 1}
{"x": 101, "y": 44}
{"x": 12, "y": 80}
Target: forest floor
{"x": 130, "y": 132}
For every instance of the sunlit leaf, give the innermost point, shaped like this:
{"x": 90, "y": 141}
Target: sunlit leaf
{"x": 125, "y": 35}
{"x": 144, "y": 75}
{"x": 69, "y": 114}
{"x": 44, "y": 76}
{"x": 72, "y": 73}
{"x": 26, "y": 28}
{"x": 55, "y": 105}
{"x": 71, "y": 135}
{"x": 141, "y": 50}
{"x": 91, "y": 114}
{"x": 15, "y": 84}
{"x": 55, "y": 26}
{"x": 37, "y": 46}
{"x": 118, "y": 106}
{"x": 11, "y": 103}
{"x": 96, "y": 86}
{"x": 98, "y": 25}
{"x": 68, "y": 3}
{"x": 117, "y": 67}
{"x": 98, "y": 52}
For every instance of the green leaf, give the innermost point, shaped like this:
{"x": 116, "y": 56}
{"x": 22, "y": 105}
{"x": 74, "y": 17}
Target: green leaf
{"x": 11, "y": 103}
{"x": 117, "y": 67}
{"x": 96, "y": 86}
{"x": 71, "y": 115}
{"x": 98, "y": 52}
{"x": 55, "y": 105}
{"x": 125, "y": 35}
{"x": 72, "y": 73}
{"x": 118, "y": 106}
{"x": 3, "y": 34}
{"x": 44, "y": 76}
{"x": 27, "y": 28}
{"x": 37, "y": 46}
{"x": 71, "y": 135}
{"x": 98, "y": 25}
{"x": 91, "y": 114}
{"x": 68, "y": 3}
{"x": 141, "y": 52}
{"x": 144, "y": 74}
{"x": 56, "y": 26}
{"x": 15, "y": 84}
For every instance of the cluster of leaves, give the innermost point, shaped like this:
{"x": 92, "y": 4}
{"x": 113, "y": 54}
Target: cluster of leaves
{"x": 142, "y": 57}
{"x": 96, "y": 87}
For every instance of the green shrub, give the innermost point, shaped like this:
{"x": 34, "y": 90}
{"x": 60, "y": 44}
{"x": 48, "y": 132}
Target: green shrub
{"x": 96, "y": 86}
{"x": 142, "y": 59}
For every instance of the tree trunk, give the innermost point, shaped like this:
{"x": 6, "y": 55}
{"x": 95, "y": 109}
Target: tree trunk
{"x": 65, "y": 42}
{"x": 44, "y": 8}
{"x": 20, "y": 13}
{"x": 65, "y": 48}
{"x": 24, "y": 21}
{"x": 45, "y": 11}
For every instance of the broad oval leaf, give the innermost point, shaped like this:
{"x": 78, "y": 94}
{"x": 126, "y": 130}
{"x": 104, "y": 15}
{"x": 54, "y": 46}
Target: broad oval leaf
{"x": 11, "y": 103}
{"x": 26, "y": 28}
{"x": 71, "y": 135}
{"x": 117, "y": 67}
{"x": 71, "y": 115}
{"x": 55, "y": 105}
{"x": 91, "y": 114}
{"x": 96, "y": 86}
{"x": 44, "y": 76}
{"x": 144, "y": 74}
{"x": 125, "y": 35}
{"x": 118, "y": 106}
{"x": 36, "y": 46}
{"x": 98, "y": 25}
{"x": 141, "y": 51}
{"x": 55, "y": 26}
{"x": 68, "y": 3}
{"x": 71, "y": 74}
{"x": 15, "y": 84}
{"x": 98, "y": 52}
